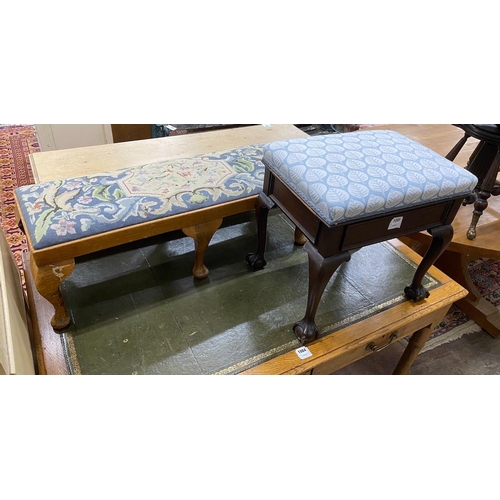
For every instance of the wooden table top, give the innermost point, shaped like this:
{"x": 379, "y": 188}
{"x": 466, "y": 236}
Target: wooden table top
{"x": 334, "y": 350}
{"x": 441, "y": 138}
{"x": 339, "y": 348}
{"x": 66, "y": 163}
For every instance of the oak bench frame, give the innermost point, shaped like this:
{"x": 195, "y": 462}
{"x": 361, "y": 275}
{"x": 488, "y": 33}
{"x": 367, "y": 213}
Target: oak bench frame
{"x": 50, "y": 266}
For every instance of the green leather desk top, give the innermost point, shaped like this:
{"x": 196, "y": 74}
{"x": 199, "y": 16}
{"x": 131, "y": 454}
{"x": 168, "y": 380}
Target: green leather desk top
{"x": 138, "y": 309}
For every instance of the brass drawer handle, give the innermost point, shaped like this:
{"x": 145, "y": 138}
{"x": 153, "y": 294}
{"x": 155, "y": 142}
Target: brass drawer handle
{"x": 372, "y": 346}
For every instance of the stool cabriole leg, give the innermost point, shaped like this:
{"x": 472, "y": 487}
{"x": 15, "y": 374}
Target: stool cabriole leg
{"x": 262, "y": 207}
{"x": 47, "y": 281}
{"x": 320, "y": 272}
{"x": 441, "y": 238}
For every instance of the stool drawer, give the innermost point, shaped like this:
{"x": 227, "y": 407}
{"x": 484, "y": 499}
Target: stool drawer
{"x": 394, "y": 225}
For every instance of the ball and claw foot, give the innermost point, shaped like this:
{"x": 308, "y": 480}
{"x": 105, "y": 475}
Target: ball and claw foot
{"x": 416, "y": 293}
{"x": 305, "y": 332}
{"x": 256, "y": 261}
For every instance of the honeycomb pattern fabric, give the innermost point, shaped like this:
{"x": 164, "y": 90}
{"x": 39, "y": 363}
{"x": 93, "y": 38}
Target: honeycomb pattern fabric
{"x": 359, "y": 174}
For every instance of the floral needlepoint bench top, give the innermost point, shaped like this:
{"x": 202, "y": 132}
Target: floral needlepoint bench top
{"x": 66, "y": 210}
{"x": 360, "y": 174}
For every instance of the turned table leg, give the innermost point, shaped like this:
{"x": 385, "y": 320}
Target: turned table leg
{"x": 320, "y": 272}
{"x": 201, "y": 234}
{"x": 417, "y": 341}
{"x": 47, "y": 281}
{"x": 415, "y": 345}
{"x": 441, "y": 238}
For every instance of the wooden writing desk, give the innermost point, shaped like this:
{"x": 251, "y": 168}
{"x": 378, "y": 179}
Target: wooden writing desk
{"x": 360, "y": 338}
{"x": 331, "y": 352}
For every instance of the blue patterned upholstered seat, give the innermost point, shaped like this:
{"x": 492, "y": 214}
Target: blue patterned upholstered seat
{"x": 67, "y": 210}
{"x": 361, "y": 174}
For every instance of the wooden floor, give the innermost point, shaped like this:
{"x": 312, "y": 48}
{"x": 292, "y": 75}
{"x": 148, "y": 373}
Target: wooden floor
{"x": 440, "y": 138}
{"x": 472, "y": 354}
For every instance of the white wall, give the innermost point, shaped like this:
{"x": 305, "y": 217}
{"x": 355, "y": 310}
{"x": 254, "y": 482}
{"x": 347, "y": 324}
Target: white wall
{"x": 60, "y": 136}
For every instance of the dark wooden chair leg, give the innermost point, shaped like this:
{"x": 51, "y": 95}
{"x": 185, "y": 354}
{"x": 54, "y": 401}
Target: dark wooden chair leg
{"x": 320, "y": 272}
{"x": 441, "y": 238}
{"x": 262, "y": 207}
{"x": 469, "y": 200}
{"x": 457, "y": 148}
{"x": 485, "y": 191}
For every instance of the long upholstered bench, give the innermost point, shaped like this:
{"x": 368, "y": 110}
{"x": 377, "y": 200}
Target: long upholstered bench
{"x": 68, "y": 218}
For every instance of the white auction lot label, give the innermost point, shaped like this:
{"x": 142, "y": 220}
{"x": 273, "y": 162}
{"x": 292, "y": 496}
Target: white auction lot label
{"x": 303, "y": 352}
{"x": 395, "y": 223}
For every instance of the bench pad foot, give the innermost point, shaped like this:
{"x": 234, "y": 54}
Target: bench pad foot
{"x": 201, "y": 234}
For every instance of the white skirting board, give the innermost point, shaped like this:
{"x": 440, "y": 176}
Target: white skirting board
{"x": 16, "y": 356}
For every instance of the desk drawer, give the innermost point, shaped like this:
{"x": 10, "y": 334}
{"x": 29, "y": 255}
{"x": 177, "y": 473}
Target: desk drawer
{"x": 359, "y": 348}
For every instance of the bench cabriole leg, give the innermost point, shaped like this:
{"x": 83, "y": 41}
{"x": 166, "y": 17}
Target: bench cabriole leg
{"x": 201, "y": 234}
{"x": 47, "y": 281}
{"x": 441, "y": 238}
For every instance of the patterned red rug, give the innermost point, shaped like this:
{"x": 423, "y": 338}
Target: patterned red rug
{"x": 485, "y": 274}
{"x": 19, "y": 141}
